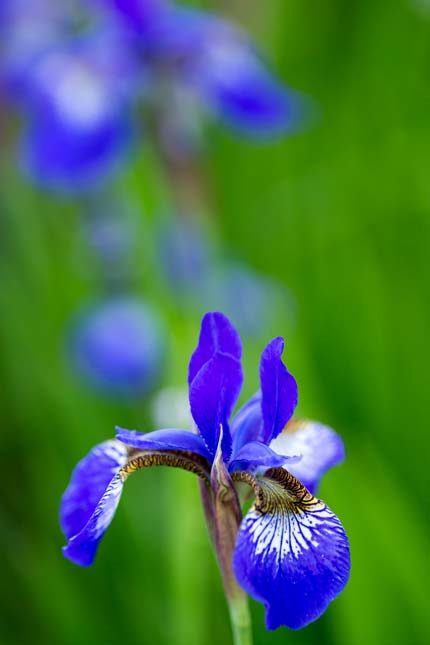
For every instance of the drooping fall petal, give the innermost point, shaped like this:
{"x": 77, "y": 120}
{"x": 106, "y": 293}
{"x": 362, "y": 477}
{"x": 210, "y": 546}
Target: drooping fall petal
{"x": 292, "y": 553}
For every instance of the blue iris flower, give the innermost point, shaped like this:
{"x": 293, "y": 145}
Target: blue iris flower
{"x": 290, "y": 551}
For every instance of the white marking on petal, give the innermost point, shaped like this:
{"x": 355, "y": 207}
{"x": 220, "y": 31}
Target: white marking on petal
{"x": 107, "y": 506}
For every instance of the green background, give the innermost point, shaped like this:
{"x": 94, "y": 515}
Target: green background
{"x": 340, "y": 214}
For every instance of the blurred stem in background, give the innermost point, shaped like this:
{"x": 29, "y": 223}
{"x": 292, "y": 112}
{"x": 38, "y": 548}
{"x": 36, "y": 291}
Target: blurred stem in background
{"x": 172, "y": 122}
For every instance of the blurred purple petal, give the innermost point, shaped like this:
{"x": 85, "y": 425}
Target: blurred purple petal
{"x": 279, "y": 390}
{"x": 321, "y": 449}
{"x": 118, "y": 346}
{"x": 235, "y": 84}
{"x": 137, "y": 14}
{"x": 65, "y": 160}
{"x": 229, "y": 76}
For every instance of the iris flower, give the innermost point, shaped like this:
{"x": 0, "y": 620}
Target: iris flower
{"x": 290, "y": 551}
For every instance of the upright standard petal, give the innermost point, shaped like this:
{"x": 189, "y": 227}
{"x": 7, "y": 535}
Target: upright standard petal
{"x": 215, "y": 379}
{"x": 292, "y": 552}
{"x": 88, "y": 484}
{"x": 213, "y": 394}
{"x": 217, "y": 334}
{"x": 279, "y": 390}
{"x": 321, "y": 449}
{"x": 166, "y": 439}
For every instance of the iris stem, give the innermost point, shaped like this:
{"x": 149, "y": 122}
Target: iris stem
{"x": 240, "y": 618}
{"x": 223, "y": 517}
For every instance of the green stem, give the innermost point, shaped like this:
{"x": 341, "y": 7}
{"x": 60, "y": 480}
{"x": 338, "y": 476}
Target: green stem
{"x": 240, "y": 618}
{"x": 225, "y": 515}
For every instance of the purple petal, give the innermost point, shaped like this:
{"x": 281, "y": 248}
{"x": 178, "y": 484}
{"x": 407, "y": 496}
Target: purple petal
{"x": 215, "y": 378}
{"x": 247, "y": 424}
{"x": 88, "y": 484}
{"x": 82, "y": 547}
{"x": 321, "y": 448}
{"x": 217, "y": 334}
{"x": 255, "y": 454}
{"x": 279, "y": 390}
{"x": 213, "y": 394}
{"x": 292, "y": 554}
{"x": 167, "y": 439}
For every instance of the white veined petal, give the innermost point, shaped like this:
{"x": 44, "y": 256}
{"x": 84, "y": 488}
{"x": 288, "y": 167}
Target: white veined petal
{"x": 292, "y": 552}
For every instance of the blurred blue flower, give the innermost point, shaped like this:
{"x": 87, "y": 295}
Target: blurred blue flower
{"x": 215, "y": 60}
{"x": 289, "y": 551}
{"x": 77, "y": 75}
{"x": 118, "y": 346}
